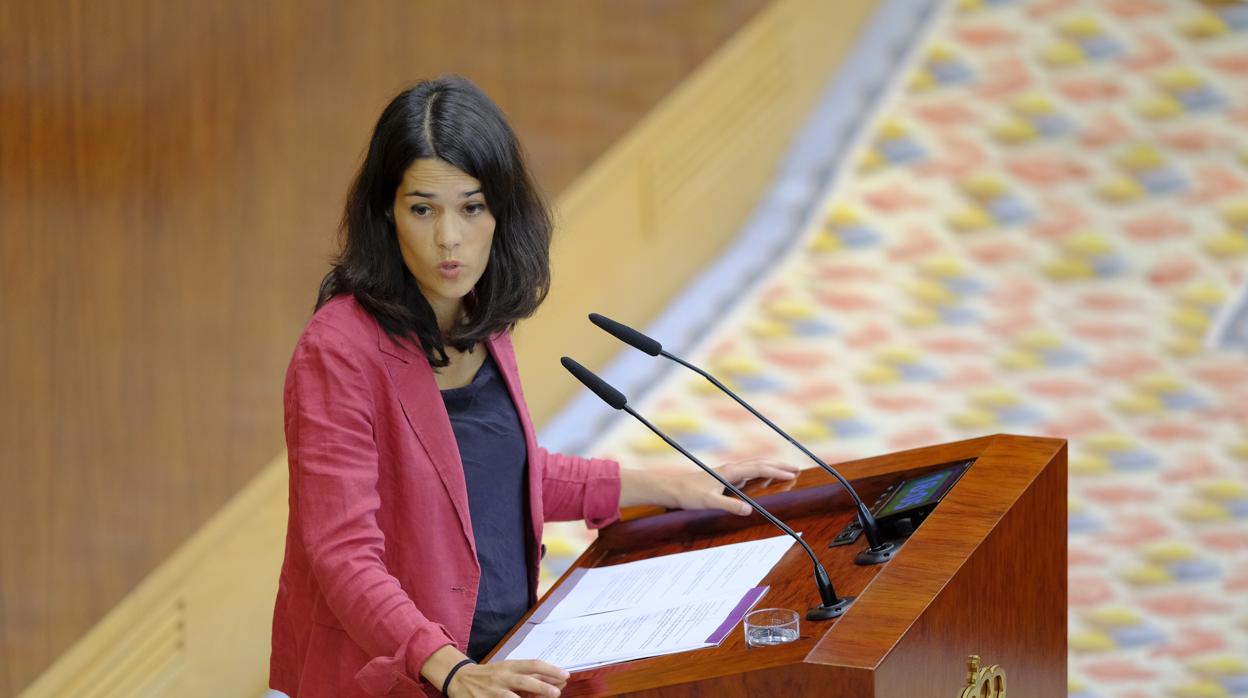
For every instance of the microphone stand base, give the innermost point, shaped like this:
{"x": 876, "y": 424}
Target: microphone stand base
{"x": 874, "y": 556}
{"x": 828, "y": 612}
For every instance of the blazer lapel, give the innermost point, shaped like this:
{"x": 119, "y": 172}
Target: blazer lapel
{"x": 426, "y": 414}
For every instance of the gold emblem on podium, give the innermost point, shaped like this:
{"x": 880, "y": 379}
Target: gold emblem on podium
{"x": 983, "y": 683}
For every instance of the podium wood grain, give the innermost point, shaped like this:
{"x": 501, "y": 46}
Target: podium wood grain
{"x": 985, "y": 574}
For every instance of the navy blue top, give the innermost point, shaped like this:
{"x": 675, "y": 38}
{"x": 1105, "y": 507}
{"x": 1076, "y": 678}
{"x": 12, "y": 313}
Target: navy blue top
{"x": 491, "y": 446}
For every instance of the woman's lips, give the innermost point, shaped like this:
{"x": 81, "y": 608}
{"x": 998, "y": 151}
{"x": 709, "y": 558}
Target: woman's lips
{"x": 450, "y": 270}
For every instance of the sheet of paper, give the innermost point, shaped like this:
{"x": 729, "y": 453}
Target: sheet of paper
{"x": 726, "y": 570}
{"x": 618, "y": 636}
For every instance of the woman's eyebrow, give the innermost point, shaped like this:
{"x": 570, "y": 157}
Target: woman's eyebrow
{"x": 428, "y": 195}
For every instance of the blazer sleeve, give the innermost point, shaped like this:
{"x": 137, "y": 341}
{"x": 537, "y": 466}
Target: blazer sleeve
{"x": 575, "y": 488}
{"x": 334, "y": 458}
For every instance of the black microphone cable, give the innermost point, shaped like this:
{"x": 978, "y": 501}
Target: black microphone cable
{"x": 878, "y": 550}
{"x": 831, "y": 605}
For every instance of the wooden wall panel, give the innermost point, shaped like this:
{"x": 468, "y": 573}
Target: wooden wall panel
{"x": 171, "y": 175}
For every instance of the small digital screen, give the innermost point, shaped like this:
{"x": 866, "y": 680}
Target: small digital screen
{"x": 917, "y": 492}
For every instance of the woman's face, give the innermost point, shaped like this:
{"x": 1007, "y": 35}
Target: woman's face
{"x": 445, "y": 231}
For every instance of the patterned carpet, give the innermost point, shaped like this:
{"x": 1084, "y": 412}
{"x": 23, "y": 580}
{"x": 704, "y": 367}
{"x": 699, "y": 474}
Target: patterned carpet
{"x": 1035, "y": 237}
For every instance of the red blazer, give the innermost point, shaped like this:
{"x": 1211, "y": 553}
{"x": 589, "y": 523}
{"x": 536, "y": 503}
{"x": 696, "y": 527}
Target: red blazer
{"x": 381, "y": 567}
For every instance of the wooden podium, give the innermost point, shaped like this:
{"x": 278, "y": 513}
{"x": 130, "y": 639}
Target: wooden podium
{"x": 984, "y": 574}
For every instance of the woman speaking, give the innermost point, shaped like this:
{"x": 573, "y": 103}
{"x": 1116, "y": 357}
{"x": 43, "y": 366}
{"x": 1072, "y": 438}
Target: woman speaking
{"x": 417, "y": 488}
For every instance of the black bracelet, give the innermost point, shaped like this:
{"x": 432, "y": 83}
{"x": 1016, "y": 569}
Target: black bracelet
{"x": 447, "y": 683}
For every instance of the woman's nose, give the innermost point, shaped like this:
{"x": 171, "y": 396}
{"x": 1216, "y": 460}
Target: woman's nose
{"x": 447, "y": 233}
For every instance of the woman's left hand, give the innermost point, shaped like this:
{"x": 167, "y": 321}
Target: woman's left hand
{"x": 694, "y": 489}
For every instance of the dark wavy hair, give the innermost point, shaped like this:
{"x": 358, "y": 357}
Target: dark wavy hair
{"x": 452, "y": 120}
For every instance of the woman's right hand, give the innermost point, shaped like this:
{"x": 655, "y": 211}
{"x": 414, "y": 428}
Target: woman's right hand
{"x": 508, "y": 679}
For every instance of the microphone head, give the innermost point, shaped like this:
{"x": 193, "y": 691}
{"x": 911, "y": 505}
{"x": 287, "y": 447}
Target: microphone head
{"x": 598, "y": 386}
{"x": 626, "y": 334}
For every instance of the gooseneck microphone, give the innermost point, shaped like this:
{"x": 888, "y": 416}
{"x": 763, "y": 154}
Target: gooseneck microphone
{"x": 878, "y": 550}
{"x": 831, "y": 606}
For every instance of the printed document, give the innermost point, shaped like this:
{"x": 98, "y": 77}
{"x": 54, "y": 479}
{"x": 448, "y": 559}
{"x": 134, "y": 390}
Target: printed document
{"x": 618, "y": 636}
{"x": 647, "y": 608}
{"x": 726, "y": 570}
